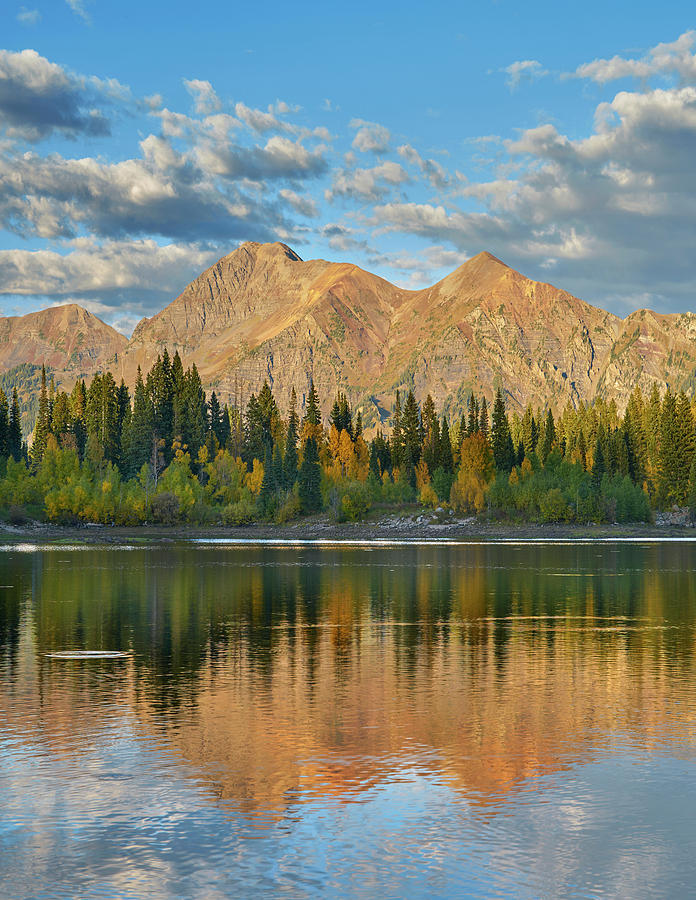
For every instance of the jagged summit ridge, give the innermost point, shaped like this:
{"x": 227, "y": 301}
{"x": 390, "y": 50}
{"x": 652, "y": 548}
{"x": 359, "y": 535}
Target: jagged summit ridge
{"x": 263, "y": 313}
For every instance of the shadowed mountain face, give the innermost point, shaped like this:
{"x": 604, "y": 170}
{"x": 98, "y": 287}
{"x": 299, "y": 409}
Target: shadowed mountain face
{"x": 263, "y": 313}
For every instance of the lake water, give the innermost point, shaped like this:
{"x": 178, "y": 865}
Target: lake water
{"x": 478, "y": 720}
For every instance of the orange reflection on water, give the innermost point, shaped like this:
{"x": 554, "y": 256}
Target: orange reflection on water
{"x": 278, "y": 683}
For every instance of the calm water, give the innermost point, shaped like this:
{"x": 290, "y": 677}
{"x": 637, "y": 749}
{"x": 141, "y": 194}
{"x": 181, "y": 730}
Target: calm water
{"x": 296, "y": 721}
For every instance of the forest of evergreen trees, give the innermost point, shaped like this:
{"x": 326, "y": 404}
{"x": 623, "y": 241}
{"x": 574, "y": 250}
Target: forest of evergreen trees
{"x": 169, "y": 454}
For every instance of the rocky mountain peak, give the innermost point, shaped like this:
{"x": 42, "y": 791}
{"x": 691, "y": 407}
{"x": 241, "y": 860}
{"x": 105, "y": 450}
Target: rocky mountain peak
{"x": 262, "y": 313}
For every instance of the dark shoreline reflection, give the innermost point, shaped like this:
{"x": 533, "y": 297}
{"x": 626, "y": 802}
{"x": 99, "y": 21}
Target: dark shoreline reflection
{"x": 282, "y": 678}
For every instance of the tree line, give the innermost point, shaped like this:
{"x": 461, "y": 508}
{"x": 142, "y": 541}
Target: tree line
{"x": 169, "y": 453}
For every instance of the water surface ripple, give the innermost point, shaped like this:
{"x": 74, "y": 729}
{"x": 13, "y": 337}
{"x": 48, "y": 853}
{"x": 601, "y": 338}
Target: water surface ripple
{"x": 481, "y": 720}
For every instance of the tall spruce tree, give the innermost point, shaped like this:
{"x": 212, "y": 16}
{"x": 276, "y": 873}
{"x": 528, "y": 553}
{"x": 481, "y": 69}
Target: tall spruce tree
{"x": 179, "y": 411}
{"x": 634, "y": 422}
{"x": 14, "y": 429}
{"x": 397, "y": 437}
{"x": 472, "y": 425}
{"x": 255, "y": 442}
{"x": 483, "y": 418}
{"x": 51, "y": 396}
{"x": 380, "y": 455}
{"x": 432, "y": 446}
{"x": 215, "y": 419}
{"x": 141, "y": 429}
{"x": 194, "y": 422}
{"x": 123, "y": 417}
{"x": 310, "y": 478}
{"x": 620, "y": 450}
{"x": 530, "y": 432}
{"x": 462, "y": 429}
{"x": 61, "y": 418}
{"x": 160, "y": 387}
{"x": 225, "y": 428}
{"x": 446, "y": 456}
{"x": 549, "y": 436}
{"x": 668, "y": 452}
{"x": 652, "y": 415}
{"x": 429, "y": 416}
{"x": 42, "y": 429}
{"x": 685, "y": 447}
{"x": 335, "y": 416}
{"x": 598, "y": 467}
{"x": 375, "y": 468}
{"x": 290, "y": 456}
{"x": 270, "y": 417}
{"x": 102, "y": 415}
{"x": 312, "y": 414}
{"x": 411, "y": 430}
{"x": 78, "y": 408}
{"x": 520, "y": 454}
{"x": 501, "y": 439}
{"x": 4, "y": 424}
{"x": 341, "y": 416}
{"x": 347, "y": 416}
{"x": 630, "y": 433}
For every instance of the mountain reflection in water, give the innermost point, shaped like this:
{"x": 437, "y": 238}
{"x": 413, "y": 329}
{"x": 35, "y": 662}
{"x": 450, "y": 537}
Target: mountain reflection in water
{"x": 274, "y": 680}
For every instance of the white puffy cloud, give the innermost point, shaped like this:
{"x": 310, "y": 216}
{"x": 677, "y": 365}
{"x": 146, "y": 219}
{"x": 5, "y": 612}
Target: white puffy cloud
{"x": 165, "y": 193}
{"x": 175, "y": 124}
{"x": 430, "y": 168}
{"x": 343, "y": 238}
{"x": 196, "y": 180}
{"x": 370, "y": 137}
{"x": 675, "y": 58}
{"x": 523, "y": 70}
{"x": 257, "y": 119}
{"x": 204, "y": 97}
{"x": 191, "y": 183}
{"x": 368, "y": 184}
{"x": 304, "y": 205}
{"x": 279, "y": 158}
{"x": 92, "y": 267}
{"x": 463, "y": 230}
{"x": 38, "y": 97}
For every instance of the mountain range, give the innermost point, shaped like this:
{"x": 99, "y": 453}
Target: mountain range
{"x": 261, "y": 312}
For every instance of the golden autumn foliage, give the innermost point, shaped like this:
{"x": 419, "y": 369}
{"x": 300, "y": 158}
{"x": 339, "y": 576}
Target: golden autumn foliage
{"x": 475, "y": 472}
{"x": 362, "y": 459}
{"x": 346, "y": 453}
{"x": 334, "y": 442}
{"x": 254, "y": 479}
{"x": 477, "y": 457}
{"x": 427, "y": 496}
{"x": 422, "y": 475}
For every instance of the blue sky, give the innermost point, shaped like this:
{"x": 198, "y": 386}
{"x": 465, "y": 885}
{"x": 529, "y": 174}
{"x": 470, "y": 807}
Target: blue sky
{"x": 141, "y": 141}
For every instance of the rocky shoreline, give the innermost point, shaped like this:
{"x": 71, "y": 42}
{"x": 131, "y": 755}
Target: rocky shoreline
{"x": 417, "y": 527}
